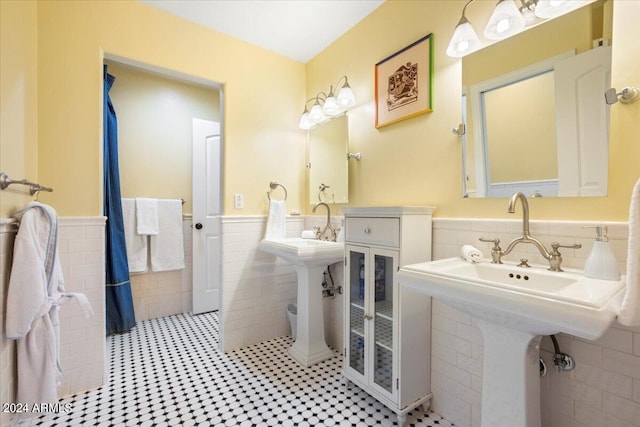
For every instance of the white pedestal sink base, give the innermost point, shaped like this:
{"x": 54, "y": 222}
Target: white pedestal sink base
{"x": 510, "y": 377}
{"x": 310, "y": 346}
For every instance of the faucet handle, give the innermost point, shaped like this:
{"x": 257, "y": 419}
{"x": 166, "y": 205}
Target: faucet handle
{"x": 556, "y": 245}
{"x": 496, "y": 241}
{"x": 496, "y": 250}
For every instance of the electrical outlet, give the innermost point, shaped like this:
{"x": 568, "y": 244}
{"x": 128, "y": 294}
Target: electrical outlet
{"x": 238, "y": 201}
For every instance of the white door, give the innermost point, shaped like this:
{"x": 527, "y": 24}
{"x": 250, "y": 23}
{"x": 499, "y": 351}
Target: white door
{"x": 206, "y": 216}
{"x": 582, "y": 120}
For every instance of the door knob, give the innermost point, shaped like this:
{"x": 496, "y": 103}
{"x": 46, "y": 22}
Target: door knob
{"x": 198, "y": 226}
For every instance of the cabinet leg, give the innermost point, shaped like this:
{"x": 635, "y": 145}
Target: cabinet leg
{"x": 402, "y": 417}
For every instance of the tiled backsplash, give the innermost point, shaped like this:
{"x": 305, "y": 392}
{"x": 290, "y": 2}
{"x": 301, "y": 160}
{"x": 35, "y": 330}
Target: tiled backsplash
{"x": 604, "y": 388}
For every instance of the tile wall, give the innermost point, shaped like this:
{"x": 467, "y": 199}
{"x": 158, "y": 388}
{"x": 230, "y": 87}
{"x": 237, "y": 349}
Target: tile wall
{"x": 7, "y": 347}
{"x": 604, "y": 388}
{"x": 82, "y": 341}
{"x": 165, "y": 293}
{"x": 257, "y": 287}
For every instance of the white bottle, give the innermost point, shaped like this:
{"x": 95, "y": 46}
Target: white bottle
{"x": 601, "y": 263}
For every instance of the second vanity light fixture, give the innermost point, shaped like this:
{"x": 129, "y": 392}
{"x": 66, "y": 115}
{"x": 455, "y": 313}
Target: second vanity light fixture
{"x": 507, "y": 19}
{"x": 328, "y": 106}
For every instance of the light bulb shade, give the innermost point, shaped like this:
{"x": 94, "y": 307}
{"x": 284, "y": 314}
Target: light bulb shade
{"x": 316, "y": 115}
{"x": 346, "y": 98}
{"x": 331, "y": 107}
{"x": 505, "y": 21}
{"x": 305, "y": 122}
{"x": 464, "y": 40}
{"x": 553, "y": 8}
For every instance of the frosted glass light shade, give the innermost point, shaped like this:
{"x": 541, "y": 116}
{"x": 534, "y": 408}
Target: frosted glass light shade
{"x": 331, "y": 107}
{"x": 505, "y": 21}
{"x": 346, "y": 98}
{"x": 316, "y": 115}
{"x": 553, "y": 8}
{"x": 305, "y": 122}
{"x": 464, "y": 40}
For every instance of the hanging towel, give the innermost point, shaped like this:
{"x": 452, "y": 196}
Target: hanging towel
{"x": 167, "y": 247}
{"x": 36, "y": 292}
{"x": 276, "y": 225}
{"x": 630, "y": 311}
{"x": 147, "y": 216}
{"x": 136, "y": 244}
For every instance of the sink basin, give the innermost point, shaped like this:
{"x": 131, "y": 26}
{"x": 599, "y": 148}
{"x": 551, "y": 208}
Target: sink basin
{"x": 532, "y": 299}
{"x": 307, "y": 252}
{"x": 309, "y": 258}
{"x": 513, "y": 306}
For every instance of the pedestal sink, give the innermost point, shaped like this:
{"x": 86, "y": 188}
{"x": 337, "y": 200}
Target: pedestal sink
{"x": 513, "y": 306}
{"x": 309, "y": 258}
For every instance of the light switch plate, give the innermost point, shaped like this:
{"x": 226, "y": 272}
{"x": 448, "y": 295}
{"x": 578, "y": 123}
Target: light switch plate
{"x": 238, "y": 201}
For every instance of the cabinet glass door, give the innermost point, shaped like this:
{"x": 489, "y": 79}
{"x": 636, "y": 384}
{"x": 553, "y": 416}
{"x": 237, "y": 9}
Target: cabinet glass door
{"x": 383, "y": 269}
{"x": 357, "y": 275}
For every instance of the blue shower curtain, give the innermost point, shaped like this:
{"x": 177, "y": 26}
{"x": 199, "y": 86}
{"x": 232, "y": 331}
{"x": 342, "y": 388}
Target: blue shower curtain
{"x": 120, "y": 316}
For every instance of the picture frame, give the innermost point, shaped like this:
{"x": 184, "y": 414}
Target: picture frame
{"x": 404, "y": 83}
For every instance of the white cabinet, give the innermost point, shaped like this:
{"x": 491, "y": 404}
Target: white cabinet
{"x": 387, "y": 332}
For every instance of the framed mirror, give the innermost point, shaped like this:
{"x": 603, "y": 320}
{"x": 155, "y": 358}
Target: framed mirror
{"x": 328, "y": 165}
{"x": 534, "y": 109}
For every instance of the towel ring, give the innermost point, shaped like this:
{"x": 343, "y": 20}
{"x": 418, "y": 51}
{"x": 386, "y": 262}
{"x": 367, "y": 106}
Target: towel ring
{"x": 273, "y": 185}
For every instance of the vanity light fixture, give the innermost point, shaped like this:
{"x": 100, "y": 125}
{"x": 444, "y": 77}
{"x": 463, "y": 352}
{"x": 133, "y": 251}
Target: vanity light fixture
{"x": 507, "y": 19}
{"x": 328, "y": 106}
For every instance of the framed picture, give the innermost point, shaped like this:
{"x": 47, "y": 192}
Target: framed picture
{"x": 404, "y": 83}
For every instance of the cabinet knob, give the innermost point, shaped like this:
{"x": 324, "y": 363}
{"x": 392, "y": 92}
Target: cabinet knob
{"x": 198, "y": 226}
{"x": 367, "y": 230}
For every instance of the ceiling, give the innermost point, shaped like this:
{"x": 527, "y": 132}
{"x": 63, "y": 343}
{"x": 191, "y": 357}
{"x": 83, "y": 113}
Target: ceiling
{"x": 298, "y": 29}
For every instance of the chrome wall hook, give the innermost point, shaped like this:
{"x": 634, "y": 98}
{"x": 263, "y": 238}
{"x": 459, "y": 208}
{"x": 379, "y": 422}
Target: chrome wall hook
{"x": 628, "y": 95}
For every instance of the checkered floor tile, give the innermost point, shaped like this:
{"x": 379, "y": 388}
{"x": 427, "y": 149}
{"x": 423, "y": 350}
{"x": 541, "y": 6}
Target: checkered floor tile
{"x": 169, "y": 372}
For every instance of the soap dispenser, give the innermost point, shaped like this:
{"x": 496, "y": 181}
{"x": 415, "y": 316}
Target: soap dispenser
{"x": 601, "y": 263}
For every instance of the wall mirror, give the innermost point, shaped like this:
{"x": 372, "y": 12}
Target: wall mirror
{"x": 533, "y": 105}
{"x": 328, "y": 165}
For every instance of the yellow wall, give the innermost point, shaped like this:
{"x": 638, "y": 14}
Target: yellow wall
{"x": 412, "y": 162}
{"x": 18, "y": 100}
{"x": 155, "y": 124}
{"x": 263, "y": 95}
{"x": 417, "y": 161}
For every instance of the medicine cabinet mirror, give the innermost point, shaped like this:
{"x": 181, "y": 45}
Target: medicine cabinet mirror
{"x": 534, "y": 109}
{"x": 328, "y": 145}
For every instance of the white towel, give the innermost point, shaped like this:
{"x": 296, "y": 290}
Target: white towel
{"x": 630, "y": 310}
{"x": 167, "y": 247}
{"x": 147, "y": 216}
{"x": 136, "y": 244}
{"x": 470, "y": 253}
{"x": 276, "y": 224}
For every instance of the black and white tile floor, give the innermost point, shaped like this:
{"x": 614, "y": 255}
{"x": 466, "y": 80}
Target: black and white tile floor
{"x": 169, "y": 372}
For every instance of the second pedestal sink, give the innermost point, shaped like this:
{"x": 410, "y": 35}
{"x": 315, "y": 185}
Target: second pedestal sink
{"x": 513, "y": 306}
{"x": 309, "y": 258}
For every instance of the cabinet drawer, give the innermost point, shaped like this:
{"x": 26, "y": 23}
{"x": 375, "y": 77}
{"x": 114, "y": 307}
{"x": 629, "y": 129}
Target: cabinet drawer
{"x": 373, "y": 231}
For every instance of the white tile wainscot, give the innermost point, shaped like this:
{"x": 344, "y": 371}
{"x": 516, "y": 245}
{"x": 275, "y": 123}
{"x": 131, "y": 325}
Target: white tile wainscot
{"x": 257, "y": 287}
{"x": 165, "y": 293}
{"x": 604, "y": 388}
{"x": 8, "y": 228}
{"x": 82, "y": 341}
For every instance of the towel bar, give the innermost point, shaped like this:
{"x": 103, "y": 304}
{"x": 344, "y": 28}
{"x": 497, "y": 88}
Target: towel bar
{"x": 273, "y": 185}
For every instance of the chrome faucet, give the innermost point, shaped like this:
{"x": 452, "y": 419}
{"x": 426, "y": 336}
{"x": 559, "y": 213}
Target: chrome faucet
{"x": 328, "y": 232}
{"x": 554, "y": 257}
